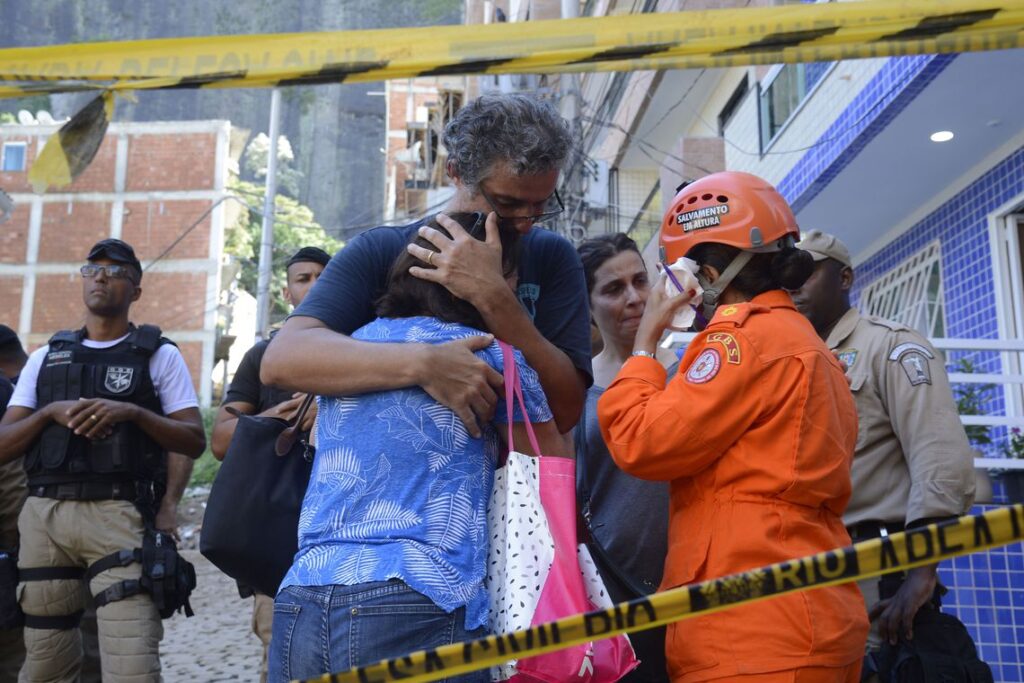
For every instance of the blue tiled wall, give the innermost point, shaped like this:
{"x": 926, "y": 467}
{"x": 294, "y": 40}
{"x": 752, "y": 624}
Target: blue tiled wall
{"x": 895, "y": 85}
{"x": 986, "y": 589}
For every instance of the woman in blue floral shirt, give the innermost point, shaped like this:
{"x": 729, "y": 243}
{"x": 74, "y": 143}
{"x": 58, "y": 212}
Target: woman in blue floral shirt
{"x": 393, "y": 533}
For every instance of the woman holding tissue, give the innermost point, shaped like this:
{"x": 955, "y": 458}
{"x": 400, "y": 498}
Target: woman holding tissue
{"x": 626, "y": 518}
{"x": 756, "y": 435}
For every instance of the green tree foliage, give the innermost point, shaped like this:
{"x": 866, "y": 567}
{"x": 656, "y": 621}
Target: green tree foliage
{"x": 294, "y": 228}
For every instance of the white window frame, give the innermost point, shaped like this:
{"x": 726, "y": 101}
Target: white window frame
{"x": 902, "y": 293}
{"x": 1008, "y": 282}
{"x": 24, "y": 156}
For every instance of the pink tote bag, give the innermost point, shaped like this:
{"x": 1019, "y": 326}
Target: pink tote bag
{"x": 536, "y": 567}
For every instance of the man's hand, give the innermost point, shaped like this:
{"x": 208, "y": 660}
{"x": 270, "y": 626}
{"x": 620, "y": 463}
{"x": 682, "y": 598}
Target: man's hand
{"x": 456, "y": 378}
{"x": 59, "y": 411}
{"x": 285, "y": 410}
{"x": 896, "y": 614}
{"x": 95, "y": 418}
{"x": 465, "y": 266}
{"x": 167, "y": 518}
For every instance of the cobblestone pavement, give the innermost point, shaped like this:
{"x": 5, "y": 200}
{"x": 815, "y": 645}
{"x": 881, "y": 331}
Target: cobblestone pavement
{"x": 217, "y": 644}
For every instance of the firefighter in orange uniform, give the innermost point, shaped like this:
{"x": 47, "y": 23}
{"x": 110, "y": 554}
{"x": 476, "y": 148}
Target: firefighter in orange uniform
{"x": 756, "y": 435}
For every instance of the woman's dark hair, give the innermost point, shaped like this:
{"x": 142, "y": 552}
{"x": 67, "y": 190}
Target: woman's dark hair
{"x": 785, "y": 269}
{"x": 406, "y": 295}
{"x": 597, "y": 250}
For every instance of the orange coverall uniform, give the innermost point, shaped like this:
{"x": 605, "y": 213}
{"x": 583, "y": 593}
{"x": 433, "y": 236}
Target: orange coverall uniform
{"x": 756, "y": 434}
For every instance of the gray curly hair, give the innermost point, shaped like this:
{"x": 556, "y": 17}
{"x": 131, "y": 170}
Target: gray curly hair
{"x": 523, "y": 130}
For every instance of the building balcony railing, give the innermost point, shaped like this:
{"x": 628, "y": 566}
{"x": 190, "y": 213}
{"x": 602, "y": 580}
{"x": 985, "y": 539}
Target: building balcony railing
{"x": 1012, "y": 351}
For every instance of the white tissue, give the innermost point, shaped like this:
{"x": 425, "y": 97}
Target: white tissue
{"x": 685, "y": 271}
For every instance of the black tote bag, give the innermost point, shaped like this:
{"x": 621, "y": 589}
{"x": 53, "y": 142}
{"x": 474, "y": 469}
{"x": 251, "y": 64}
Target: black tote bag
{"x": 250, "y": 528}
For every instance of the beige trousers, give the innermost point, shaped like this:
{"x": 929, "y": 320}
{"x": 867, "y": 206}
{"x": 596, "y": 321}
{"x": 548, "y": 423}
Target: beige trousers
{"x": 12, "y": 495}
{"x": 76, "y": 534}
{"x": 262, "y": 623}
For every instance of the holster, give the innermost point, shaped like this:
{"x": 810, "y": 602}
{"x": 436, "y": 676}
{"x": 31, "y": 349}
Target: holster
{"x": 11, "y": 615}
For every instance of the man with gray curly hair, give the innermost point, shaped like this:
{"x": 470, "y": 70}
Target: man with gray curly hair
{"x": 505, "y": 156}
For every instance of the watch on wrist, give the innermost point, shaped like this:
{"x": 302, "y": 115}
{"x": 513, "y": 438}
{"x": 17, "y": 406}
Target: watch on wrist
{"x": 645, "y": 354}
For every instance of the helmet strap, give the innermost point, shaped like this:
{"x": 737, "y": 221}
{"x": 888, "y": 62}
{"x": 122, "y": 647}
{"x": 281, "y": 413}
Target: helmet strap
{"x": 712, "y": 291}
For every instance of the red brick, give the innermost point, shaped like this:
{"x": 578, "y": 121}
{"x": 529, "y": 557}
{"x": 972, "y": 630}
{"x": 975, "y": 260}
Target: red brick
{"x": 150, "y": 227}
{"x": 171, "y": 162}
{"x": 99, "y": 175}
{"x": 174, "y": 301}
{"x": 58, "y": 304}
{"x": 10, "y": 300}
{"x": 14, "y": 235}
{"x": 66, "y": 237}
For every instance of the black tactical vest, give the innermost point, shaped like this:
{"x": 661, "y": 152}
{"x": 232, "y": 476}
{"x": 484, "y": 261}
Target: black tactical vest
{"x": 71, "y": 371}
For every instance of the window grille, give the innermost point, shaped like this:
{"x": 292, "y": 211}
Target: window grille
{"x": 911, "y": 293}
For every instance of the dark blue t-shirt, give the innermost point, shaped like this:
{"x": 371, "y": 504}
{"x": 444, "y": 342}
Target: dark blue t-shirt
{"x": 551, "y": 288}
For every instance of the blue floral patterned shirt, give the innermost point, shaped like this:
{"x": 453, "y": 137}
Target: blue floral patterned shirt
{"x": 399, "y": 489}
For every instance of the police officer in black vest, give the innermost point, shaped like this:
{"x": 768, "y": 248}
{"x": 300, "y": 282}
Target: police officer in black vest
{"x": 95, "y": 413}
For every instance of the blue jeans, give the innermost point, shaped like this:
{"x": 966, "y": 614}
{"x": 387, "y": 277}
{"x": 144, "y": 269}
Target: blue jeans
{"x": 328, "y": 629}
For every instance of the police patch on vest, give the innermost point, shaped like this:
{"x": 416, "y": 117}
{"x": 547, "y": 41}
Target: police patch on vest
{"x": 705, "y": 367}
{"x": 702, "y": 218}
{"x": 58, "y": 357}
{"x": 916, "y": 366}
{"x": 118, "y": 379}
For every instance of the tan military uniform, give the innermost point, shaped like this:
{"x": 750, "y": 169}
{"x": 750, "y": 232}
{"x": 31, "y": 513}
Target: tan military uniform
{"x": 913, "y": 460}
{"x": 12, "y": 496}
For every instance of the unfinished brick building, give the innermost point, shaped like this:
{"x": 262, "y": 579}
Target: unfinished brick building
{"x": 158, "y": 186}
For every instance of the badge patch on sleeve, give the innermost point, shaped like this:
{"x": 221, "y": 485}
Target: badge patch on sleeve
{"x": 732, "y": 349}
{"x": 907, "y": 347}
{"x": 705, "y": 367}
{"x": 915, "y": 364}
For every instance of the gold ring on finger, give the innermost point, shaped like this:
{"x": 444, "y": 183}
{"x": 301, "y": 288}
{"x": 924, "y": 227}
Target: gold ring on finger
{"x": 430, "y": 259}
{"x": 93, "y": 417}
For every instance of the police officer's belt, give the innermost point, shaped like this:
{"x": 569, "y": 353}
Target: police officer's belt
{"x": 96, "y": 490}
{"x": 871, "y": 528}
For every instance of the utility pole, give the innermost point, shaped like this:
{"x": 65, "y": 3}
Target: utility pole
{"x": 569, "y": 105}
{"x": 267, "y": 239}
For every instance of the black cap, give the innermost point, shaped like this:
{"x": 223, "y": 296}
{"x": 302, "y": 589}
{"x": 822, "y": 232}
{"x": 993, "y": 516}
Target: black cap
{"x": 115, "y": 250}
{"x": 309, "y": 255}
{"x": 7, "y": 336}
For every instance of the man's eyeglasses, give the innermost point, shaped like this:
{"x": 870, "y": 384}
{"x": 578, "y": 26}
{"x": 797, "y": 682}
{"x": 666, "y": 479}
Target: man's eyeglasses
{"x": 552, "y": 207}
{"x": 114, "y": 271}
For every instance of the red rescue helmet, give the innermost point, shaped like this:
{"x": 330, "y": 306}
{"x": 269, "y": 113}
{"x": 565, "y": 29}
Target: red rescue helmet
{"x": 733, "y": 208}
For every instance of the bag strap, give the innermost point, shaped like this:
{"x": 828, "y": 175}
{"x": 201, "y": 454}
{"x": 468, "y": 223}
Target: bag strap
{"x": 513, "y": 386}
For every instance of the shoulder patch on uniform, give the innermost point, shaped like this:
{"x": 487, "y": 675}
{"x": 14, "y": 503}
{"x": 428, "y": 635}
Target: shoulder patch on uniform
{"x": 705, "y": 367}
{"x": 847, "y": 357}
{"x": 729, "y": 310}
{"x": 907, "y": 347}
{"x": 916, "y": 366}
{"x": 732, "y": 348}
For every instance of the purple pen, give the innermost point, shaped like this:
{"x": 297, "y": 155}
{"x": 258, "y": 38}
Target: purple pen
{"x": 672, "y": 277}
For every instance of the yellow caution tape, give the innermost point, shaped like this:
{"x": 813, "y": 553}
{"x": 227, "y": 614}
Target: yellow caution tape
{"x": 710, "y": 38}
{"x": 913, "y": 548}
{"x": 68, "y": 152}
